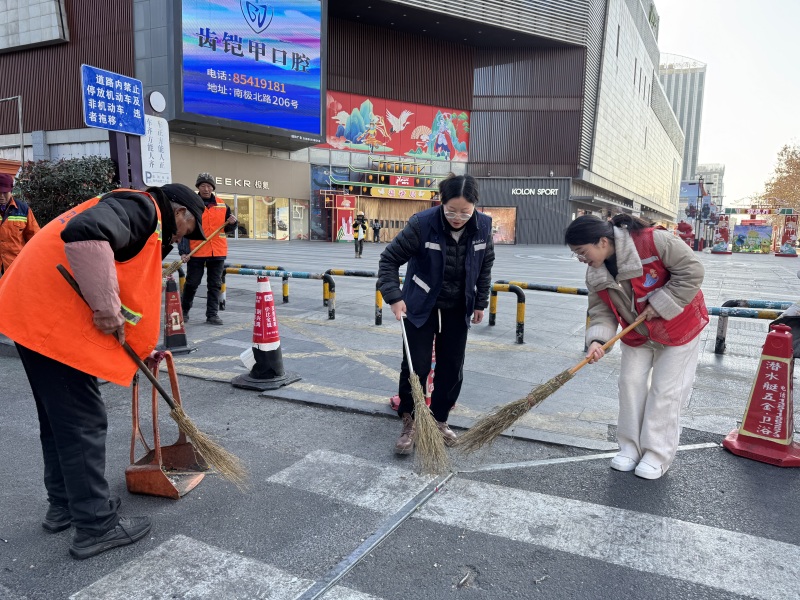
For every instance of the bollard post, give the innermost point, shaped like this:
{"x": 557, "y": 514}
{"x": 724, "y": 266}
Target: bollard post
{"x": 326, "y": 293}
{"x": 285, "y": 288}
{"x": 330, "y": 285}
{"x": 378, "y": 304}
{"x": 520, "y": 317}
{"x": 492, "y": 308}
{"x": 722, "y": 333}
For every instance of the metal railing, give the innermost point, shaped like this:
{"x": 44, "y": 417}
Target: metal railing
{"x": 514, "y": 289}
{"x": 285, "y": 275}
{"x": 745, "y": 309}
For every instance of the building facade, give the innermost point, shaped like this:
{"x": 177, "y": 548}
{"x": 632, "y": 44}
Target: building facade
{"x": 714, "y": 175}
{"x": 684, "y": 80}
{"x": 555, "y": 106}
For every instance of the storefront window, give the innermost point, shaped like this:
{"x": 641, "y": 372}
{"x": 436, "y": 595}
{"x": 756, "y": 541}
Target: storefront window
{"x": 504, "y": 224}
{"x": 298, "y": 226}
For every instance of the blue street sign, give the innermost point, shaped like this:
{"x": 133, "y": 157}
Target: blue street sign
{"x": 112, "y": 101}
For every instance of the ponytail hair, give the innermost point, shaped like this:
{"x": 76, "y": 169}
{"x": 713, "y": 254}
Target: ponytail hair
{"x": 588, "y": 229}
{"x": 630, "y": 222}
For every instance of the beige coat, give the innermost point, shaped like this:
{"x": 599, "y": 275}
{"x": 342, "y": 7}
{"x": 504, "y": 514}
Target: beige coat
{"x": 686, "y": 276}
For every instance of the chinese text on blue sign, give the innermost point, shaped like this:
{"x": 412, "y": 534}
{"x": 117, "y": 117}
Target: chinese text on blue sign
{"x": 112, "y": 101}
{"x": 252, "y": 62}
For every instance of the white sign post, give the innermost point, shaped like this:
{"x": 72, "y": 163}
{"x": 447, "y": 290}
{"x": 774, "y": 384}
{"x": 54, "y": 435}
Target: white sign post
{"x": 156, "y": 163}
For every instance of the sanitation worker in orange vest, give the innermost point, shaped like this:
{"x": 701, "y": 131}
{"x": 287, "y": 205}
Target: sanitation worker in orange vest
{"x": 211, "y": 256}
{"x": 113, "y": 245}
{"x": 17, "y": 224}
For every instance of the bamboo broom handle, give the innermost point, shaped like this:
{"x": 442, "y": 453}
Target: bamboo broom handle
{"x": 177, "y": 264}
{"x": 639, "y": 320}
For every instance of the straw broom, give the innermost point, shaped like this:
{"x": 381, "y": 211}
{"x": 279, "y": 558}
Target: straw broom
{"x": 430, "y": 451}
{"x": 169, "y": 270}
{"x": 492, "y": 425}
{"x": 226, "y": 464}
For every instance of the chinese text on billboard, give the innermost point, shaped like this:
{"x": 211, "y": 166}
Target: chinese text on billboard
{"x": 249, "y": 61}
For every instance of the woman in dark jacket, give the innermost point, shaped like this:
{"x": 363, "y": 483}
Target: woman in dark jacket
{"x": 449, "y": 252}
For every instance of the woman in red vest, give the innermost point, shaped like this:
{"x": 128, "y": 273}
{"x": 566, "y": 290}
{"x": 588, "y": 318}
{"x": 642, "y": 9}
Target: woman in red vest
{"x": 636, "y": 269}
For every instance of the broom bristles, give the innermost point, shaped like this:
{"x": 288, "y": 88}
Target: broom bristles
{"x": 430, "y": 451}
{"x": 487, "y": 429}
{"x": 226, "y": 464}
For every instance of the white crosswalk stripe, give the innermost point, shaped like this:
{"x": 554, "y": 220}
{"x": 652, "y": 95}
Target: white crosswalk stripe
{"x": 185, "y": 568}
{"x": 735, "y": 562}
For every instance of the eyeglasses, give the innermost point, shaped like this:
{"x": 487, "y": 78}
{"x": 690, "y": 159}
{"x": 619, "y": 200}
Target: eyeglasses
{"x": 579, "y": 255}
{"x": 458, "y": 216}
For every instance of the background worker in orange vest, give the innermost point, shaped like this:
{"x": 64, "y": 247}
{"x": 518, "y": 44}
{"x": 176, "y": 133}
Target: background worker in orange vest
{"x": 114, "y": 246}
{"x": 211, "y": 256}
{"x": 17, "y": 224}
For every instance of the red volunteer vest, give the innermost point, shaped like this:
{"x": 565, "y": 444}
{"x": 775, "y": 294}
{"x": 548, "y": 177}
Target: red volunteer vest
{"x": 675, "y": 332}
{"x": 43, "y": 313}
{"x": 213, "y": 219}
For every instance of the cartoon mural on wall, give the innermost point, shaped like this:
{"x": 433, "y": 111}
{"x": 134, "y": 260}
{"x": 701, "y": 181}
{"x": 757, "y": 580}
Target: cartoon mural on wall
{"x": 377, "y": 125}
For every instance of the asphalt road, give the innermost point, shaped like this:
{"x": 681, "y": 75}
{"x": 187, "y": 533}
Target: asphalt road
{"x": 523, "y": 519}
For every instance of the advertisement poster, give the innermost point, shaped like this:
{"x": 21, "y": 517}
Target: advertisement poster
{"x": 722, "y": 234}
{"x": 789, "y": 237}
{"x": 376, "y": 125}
{"x": 282, "y": 223}
{"x": 752, "y": 239}
{"x": 504, "y": 223}
{"x": 343, "y": 219}
{"x": 688, "y": 196}
{"x": 249, "y": 61}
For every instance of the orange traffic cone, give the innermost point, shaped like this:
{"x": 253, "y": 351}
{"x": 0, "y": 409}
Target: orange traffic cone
{"x": 768, "y": 422}
{"x": 174, "y": 331}
{"x": 264, "y": 359}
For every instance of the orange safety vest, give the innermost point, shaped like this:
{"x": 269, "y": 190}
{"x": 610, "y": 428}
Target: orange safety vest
{"x": 675, "y": 332}
{"x": 213, "y": 218}
{"x": 44, "y": 314}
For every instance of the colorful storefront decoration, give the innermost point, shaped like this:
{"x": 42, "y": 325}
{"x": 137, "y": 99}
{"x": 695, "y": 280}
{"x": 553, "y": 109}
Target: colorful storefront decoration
{"x": 401, "y": 194}
{"x": 722, "y": 235}
{"x": 752, "y": 239}
{"x": 376, "y": 125}
{"x": 344, "y": 216}
{"x": 789, "y": 237}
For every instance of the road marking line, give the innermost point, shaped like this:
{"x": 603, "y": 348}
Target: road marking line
{"x": 368, "y": 484}
{"x": 385, "y": 530}
{"x": 183, "y": 567}
{"x": 735, "y": 562}
{"x": 567, "y": 459}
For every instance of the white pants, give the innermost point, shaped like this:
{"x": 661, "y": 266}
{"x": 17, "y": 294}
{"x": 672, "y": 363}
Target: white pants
{"x": 654, "y": 383}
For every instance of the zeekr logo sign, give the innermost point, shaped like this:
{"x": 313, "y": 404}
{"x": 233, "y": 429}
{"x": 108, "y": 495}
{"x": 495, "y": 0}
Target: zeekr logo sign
{"x": 258, "y": 15}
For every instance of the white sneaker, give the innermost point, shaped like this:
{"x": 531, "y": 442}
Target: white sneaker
{"x": 623, "y": 463}
{"x": 646, "y": 471}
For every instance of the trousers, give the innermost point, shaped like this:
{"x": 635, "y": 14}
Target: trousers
{"x": 450, "y": 329}
{"x": 359, "y": 246}
{"x": 72, "y": 432}
{"x": 194, "y": 275}
{"x": 654, "y": 384}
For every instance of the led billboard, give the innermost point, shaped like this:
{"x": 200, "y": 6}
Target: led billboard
{"x": 251, "y": 63}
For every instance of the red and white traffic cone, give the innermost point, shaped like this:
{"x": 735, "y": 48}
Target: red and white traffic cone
{"x": 768, "y": 422}
{"x": 264, "y": 359}
{"x": 174, "y": 330}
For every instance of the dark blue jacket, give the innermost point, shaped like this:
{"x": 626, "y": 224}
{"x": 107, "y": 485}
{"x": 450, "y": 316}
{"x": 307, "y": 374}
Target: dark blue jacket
{"x": 423, "y": 245}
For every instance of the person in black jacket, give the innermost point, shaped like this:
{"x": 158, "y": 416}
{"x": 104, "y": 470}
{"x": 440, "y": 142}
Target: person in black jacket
{"x": 450, "y": 253}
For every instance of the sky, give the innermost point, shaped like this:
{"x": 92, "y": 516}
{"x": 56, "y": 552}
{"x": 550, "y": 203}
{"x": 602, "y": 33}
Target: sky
{"x": 751, "y": 107}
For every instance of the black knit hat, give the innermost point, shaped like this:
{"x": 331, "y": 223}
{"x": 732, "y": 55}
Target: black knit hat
{"x": 180, "y": 194}
{"x": 205, "y": 178}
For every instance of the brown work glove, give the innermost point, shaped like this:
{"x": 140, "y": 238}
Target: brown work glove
{"x": 92, "y": 263}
